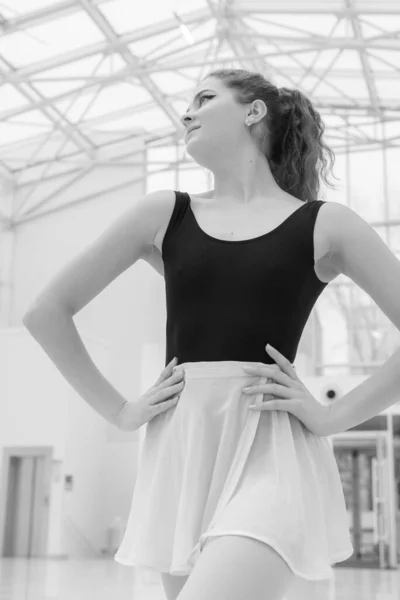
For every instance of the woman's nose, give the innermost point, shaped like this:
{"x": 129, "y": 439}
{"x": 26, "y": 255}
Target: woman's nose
{"x": 185, "y": 119}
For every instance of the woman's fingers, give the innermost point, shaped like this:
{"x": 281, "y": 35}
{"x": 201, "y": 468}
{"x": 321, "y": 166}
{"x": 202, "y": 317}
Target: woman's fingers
{"x": 167, "y": 371}
{"x": 282, "y": 362}
{"x": 162, "y": 394}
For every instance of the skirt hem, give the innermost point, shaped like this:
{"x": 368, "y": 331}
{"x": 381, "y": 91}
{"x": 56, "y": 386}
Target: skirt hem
{"x": 318, "y": 576}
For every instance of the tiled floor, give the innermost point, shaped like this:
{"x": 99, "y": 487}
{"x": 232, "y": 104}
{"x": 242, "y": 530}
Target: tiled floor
{"x": 104, "y": 579}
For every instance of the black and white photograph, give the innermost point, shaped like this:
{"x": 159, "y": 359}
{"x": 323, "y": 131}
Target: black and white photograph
{"x": 199, "y": 300}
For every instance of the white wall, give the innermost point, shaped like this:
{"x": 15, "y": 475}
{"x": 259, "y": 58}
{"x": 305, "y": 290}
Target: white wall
{"x": 39, "y": 408}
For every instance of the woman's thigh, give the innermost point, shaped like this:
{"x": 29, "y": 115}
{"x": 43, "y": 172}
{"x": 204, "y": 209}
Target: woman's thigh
{"x": 234, "y": 567}
{"x": 173, "y": 584}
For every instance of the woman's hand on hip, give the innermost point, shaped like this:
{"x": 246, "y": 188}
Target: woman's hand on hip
{"x": 162, "y": 396}
{"x": 289, "y": 394}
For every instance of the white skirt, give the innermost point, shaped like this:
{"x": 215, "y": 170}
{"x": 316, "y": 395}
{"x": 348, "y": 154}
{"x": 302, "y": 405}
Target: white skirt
{"x": 210, "y": 467}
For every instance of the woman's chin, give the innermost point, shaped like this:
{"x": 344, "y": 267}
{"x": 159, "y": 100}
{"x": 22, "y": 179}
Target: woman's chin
{"x": 199, "y": 160}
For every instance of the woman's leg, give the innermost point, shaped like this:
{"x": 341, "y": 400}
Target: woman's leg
{"x": 235, "y": 567}
{"x": 173, "y": 584}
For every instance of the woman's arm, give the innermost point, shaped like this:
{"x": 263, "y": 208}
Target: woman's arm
{"x": 59, "y": 338}
{"x": 359, "y": 253}
{"x": 50, "y": 319}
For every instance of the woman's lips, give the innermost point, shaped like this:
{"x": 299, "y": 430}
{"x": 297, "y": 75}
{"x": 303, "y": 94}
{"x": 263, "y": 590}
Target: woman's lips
{"x": 190, "y": 132}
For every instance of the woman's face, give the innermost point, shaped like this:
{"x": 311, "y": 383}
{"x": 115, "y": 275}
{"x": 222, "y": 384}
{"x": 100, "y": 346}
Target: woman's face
{"x": 220, "y": 121}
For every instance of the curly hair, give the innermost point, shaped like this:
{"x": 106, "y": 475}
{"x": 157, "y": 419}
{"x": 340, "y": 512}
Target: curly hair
{"x": 290, "y": 135}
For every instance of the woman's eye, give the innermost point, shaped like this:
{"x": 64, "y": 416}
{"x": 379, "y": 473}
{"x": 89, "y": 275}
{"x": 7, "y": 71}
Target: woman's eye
{"x": 202, "y": 97}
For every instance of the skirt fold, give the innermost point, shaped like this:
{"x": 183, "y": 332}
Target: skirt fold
{"x": 210, "y": 466}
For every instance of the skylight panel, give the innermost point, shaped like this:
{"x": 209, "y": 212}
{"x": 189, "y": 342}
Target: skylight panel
{"x": 50, "y": 39}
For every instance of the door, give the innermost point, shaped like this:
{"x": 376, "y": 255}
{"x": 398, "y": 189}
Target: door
{"x": 25, "y": 522}
{"x": 362, "y": 458}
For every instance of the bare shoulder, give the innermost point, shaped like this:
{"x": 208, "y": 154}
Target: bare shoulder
{"x": 362, "y": 255}
{"x": 340, "y": 226}
{"x": 336, "y": 218}
{"x": 328, "y": 220}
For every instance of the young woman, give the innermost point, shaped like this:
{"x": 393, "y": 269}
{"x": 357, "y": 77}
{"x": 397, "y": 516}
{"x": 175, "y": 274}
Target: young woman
{"x": 238, "y": 491}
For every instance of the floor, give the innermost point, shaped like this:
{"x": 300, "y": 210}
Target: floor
{"x": 104, "y": 579}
